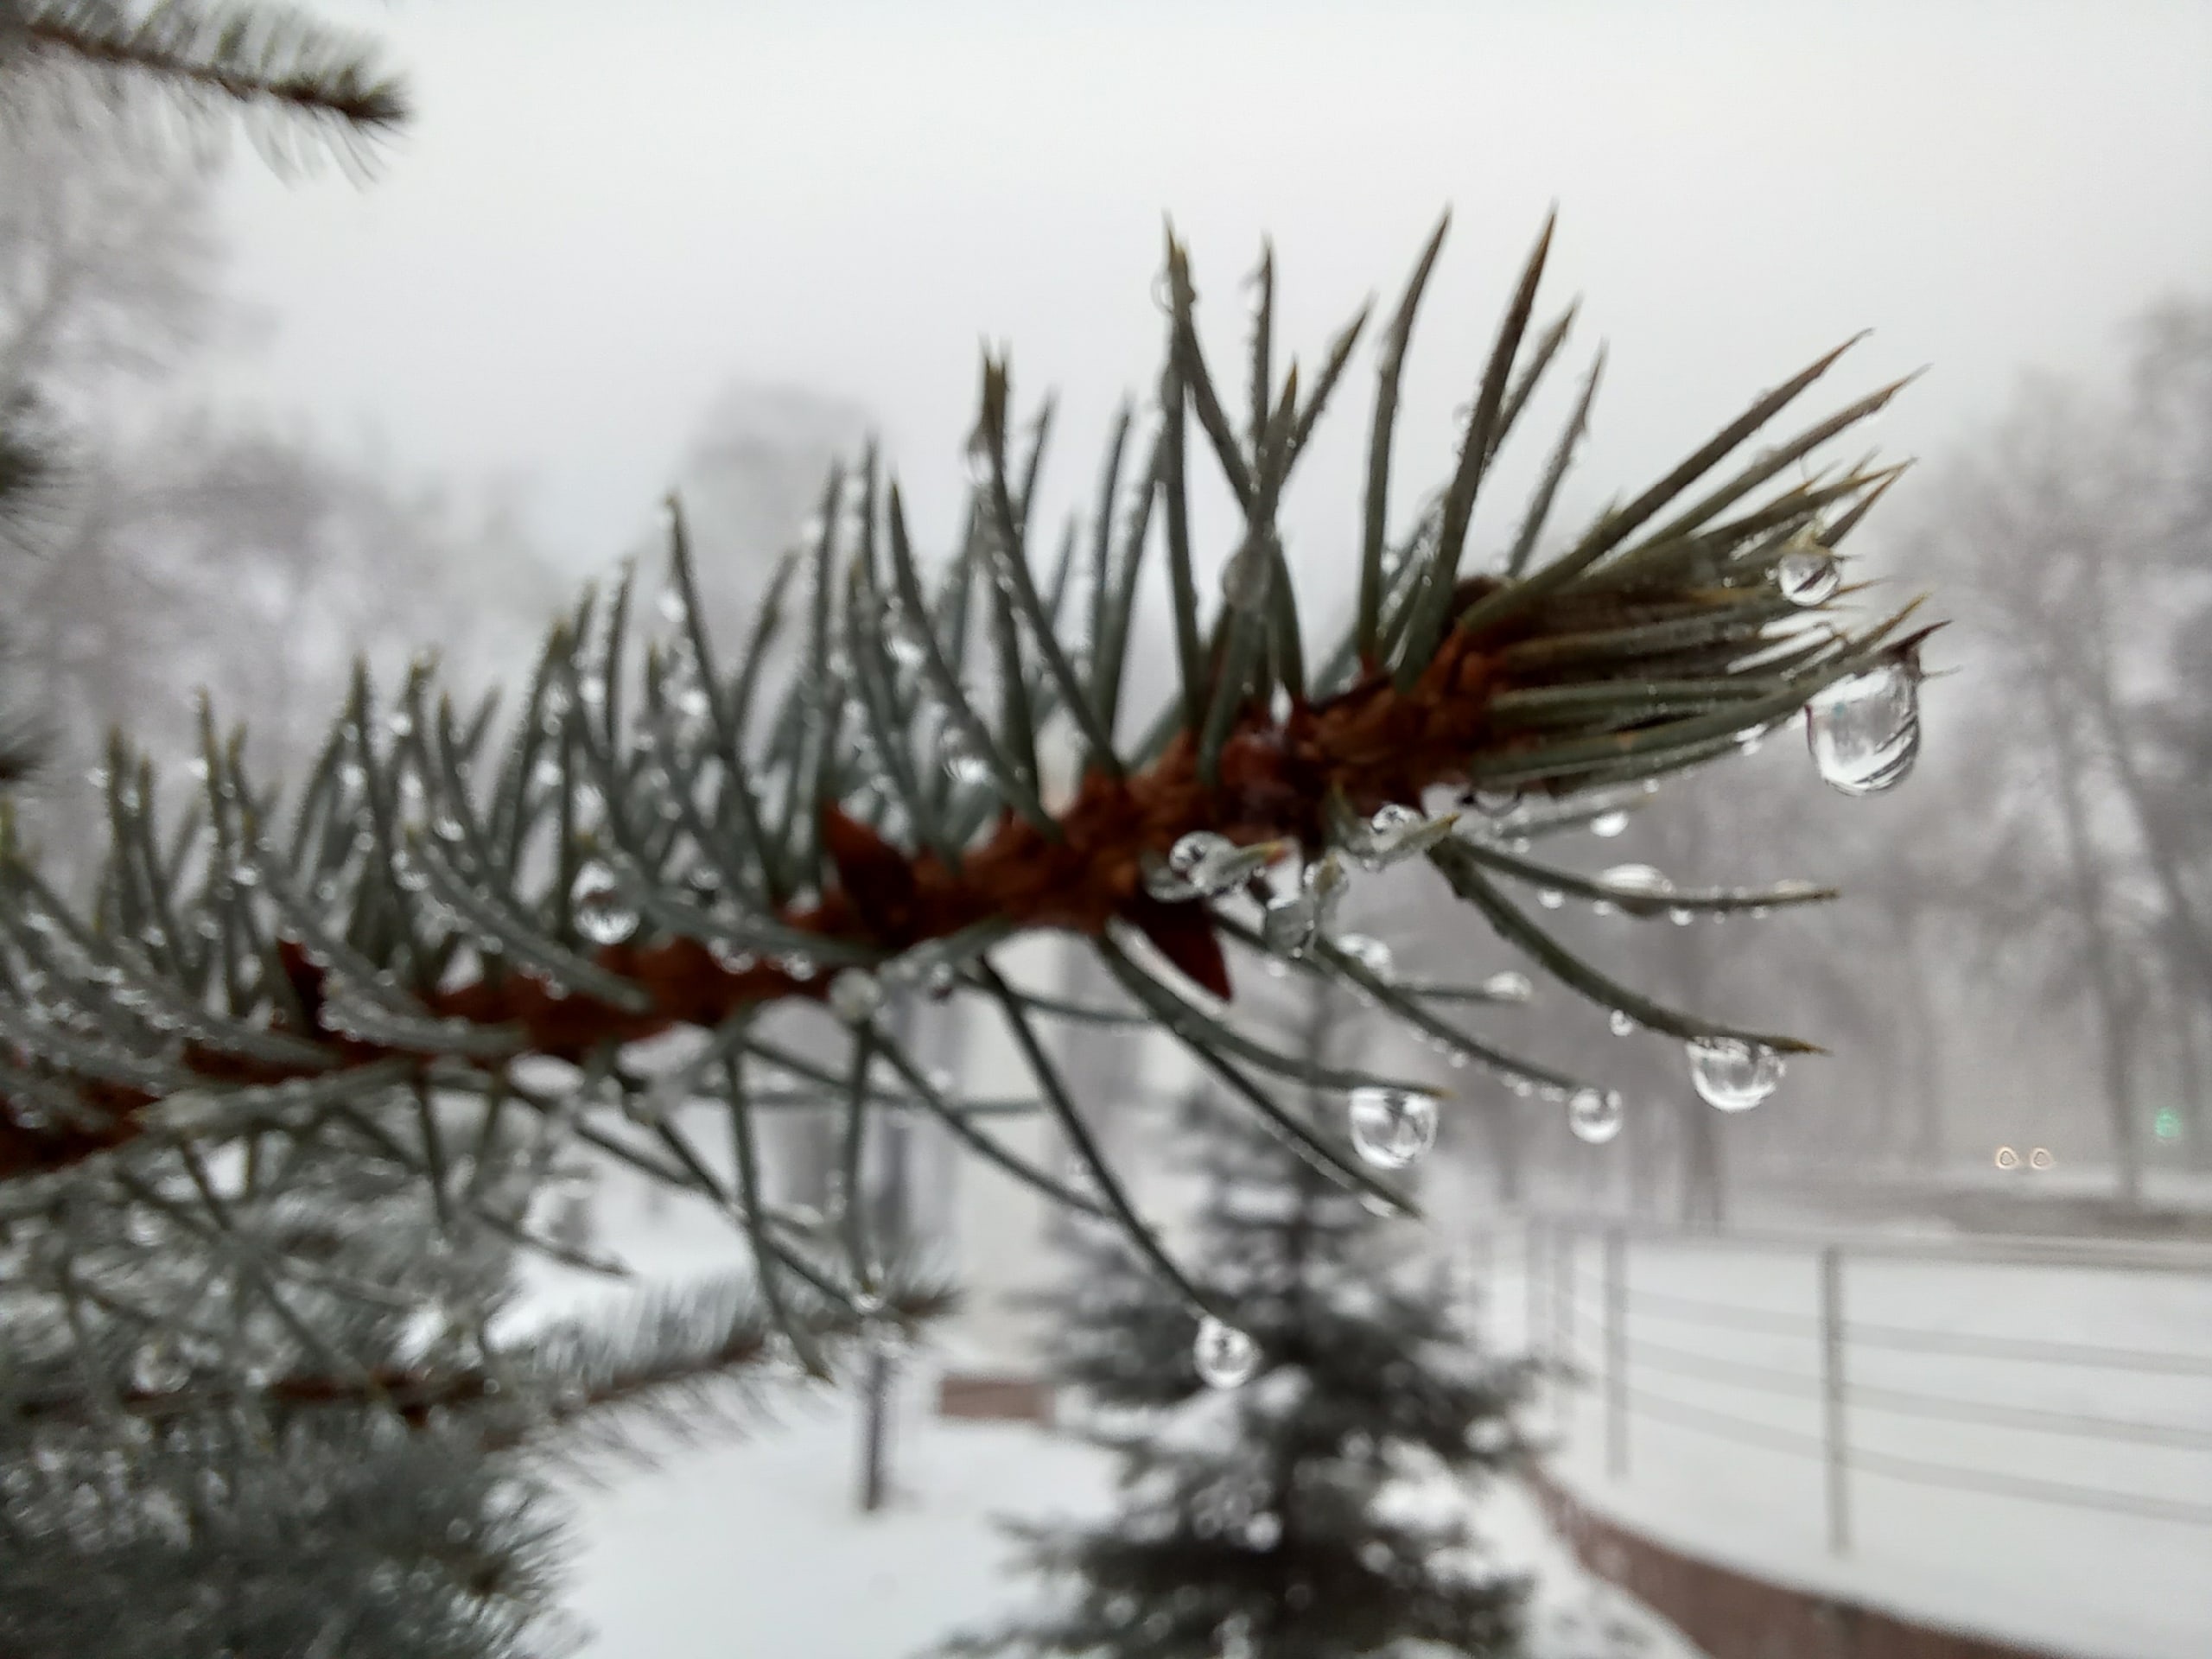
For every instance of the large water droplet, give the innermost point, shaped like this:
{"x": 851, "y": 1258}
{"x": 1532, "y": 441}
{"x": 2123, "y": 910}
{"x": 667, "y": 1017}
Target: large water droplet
{"x": 1865, "y": 731}
{"x": 1807, "y": 574}
{"x": 854, "y": 995}
{"x": 1607, "y": 825}
{"x": 1391, "y": 1128}
{"x": 1225, "y": 1356}
{"x": 602, "y": 915}
{"x": 1594, "y": 1117}
{"x": 1510, "y": 986}
{"x": 1733, "y": 1074}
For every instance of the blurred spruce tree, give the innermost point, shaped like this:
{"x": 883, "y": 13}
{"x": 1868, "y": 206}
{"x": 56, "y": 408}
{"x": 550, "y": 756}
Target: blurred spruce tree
{"x": 1299, "y": 1497}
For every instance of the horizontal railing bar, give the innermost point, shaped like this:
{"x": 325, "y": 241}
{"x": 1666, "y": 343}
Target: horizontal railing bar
{"x": 1907, "y": 1403}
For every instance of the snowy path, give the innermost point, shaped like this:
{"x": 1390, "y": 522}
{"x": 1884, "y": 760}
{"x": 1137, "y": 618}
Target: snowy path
{"x": 1725, "y": 1419}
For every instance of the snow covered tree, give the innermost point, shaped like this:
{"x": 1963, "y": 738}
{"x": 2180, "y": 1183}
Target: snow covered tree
{"x": 667, "y": 881}
{"x": 1286, "y": 1467}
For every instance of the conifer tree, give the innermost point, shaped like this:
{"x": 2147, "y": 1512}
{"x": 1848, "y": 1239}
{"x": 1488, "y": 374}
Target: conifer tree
{"x": 1268, "y": 1458}
{"x": 613, "y": 905}
{"x": 300, "y": 88}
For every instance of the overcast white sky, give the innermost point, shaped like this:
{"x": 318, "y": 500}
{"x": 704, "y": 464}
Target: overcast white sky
{"x": 604, "y": 212}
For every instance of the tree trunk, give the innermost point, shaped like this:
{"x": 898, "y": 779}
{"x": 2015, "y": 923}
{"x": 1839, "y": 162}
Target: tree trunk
{"x": 2108, "y": 996}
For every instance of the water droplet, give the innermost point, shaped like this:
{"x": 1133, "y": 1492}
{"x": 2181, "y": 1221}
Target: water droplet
{"x": 2007, "y": 1158}
{"x": 245, "y": 875}
{"x": 409, "y": 874}
{"x": 156, "y": 1369}
{"x": 2040, "y": 1158}
{"x": 350, "y": 774}
{"x": 1748, "y": 740}
{"x": 1681, "y": 916}
{"x": 1510, "y": 986}
{"x": 1202, "y": 864}
{"x": 1807, "y": 574}
{"x": 1290, "y": 922}
{"x": 672, "y": 604}
{"x": 1594, "y": 1117}
{"x": 1369, "y": 953}
{"x": 731, "y": 959}
{"x": 1391, "y": 1128}
{"x": 902, "y": 634}
{"x": 1865, "y": 731}
{"x": 1733, "y": 1074}
{"x": 1493, "y": 801}
{"x": 1638, "y": 881}
{"x": 1396, "y": 831}
{"x": 1622, "y": 1023}
{"x": 1225, "y": 1356}
{"x": 966, "y": 766}
{"x": 693, "y": 700}
{"x": 1244, "y": 578}
{"x": 854, "y": 995}
{"x": 1607, "y": 825}
{"x": 596, "y": 901}
{"x": 1551, "y": 898}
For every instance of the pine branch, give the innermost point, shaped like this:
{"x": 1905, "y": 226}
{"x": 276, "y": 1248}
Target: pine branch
{"x": 660, "y": 841}
{"x": 273, "y": 64}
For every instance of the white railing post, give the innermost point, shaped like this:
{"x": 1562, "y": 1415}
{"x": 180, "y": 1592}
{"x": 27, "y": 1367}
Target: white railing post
{"x": 1563, "y": 1252}
{"x": 1616, "y": 1353}
{"x": 1837, "y": 1451}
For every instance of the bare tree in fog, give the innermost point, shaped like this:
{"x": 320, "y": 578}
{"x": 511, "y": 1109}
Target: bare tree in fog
{"x": 2080, "y": 534}
{"x": 179, "y": 549}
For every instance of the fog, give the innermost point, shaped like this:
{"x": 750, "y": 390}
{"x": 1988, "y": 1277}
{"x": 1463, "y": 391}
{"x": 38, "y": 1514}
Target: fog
{"x": 594, "y": 224}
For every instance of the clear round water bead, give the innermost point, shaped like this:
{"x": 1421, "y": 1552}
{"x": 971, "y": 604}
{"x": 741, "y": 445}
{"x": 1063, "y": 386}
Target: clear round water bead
{"x": 601, "y": 914}
{"x": 1864, "y": 730}
{"x": 1594, "y": 1117}
{"x": 1225, "y": 1356}
{"x": 1807, "y": 574}
{"x": 1732, "y": 1074}
{"x": 1607, "y": 825}
{"x": 854, "y": 995}
{"x": 1392, "y": 1128}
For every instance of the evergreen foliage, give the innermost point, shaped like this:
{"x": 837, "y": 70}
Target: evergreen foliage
{"x": 298, "y": 86}
{"x": 1272, "y": 1520}
{"x": 666, "y": 878}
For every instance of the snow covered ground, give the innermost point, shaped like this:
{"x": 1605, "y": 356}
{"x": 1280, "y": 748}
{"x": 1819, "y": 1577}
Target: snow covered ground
{"x": 755, "y": 1547}
{"x": 1715, "y": 1328}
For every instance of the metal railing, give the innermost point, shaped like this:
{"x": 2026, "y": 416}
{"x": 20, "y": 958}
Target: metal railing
{"x": 1577, "y": 1306}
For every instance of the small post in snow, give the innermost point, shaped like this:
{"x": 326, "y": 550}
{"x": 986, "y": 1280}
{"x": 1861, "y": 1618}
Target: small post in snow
{"x": 1837, "y": 1452}
{"x": 1616, "y": 1352}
